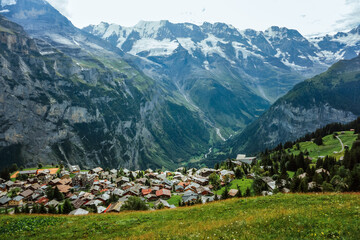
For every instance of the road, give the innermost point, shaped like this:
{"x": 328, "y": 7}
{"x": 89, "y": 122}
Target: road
{"x": 342, "y": 144}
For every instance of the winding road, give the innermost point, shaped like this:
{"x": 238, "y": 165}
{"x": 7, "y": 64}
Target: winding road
{"x": 342, "y": 144}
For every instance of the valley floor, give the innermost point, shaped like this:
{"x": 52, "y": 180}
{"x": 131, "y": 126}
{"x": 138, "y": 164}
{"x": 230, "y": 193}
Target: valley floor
{"x": 282, "y": 216}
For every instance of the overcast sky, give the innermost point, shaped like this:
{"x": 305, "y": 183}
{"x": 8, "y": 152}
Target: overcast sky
{"x": 308, "y": 16}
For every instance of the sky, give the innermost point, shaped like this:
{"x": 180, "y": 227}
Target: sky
{"x": 309, "y": 17}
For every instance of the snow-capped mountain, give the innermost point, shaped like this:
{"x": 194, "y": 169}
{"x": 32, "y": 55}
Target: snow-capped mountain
{"x": 263, "y": 64}
{"x": 159, "y": 39}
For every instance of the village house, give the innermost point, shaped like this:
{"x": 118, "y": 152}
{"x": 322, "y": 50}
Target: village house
{"x": 164, "y": 203}
{"x": 201, "y": 180}
{"x": 16, "y": 201}
{"x": 189, "y": 197}
{"x": 79, "y": 211}
{"x": 163, "y": 193}
{"x": 246, "y": 160}
{"x": 114, "y": 207}
{"x": 74, "y": 168}
{"x": 233, "y": 192}
{"x": 97, "y": 170}
{"x": 4, "y": 200}
{"x": 27, "y": 194}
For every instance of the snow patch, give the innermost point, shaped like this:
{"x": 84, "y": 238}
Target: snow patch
{"x": 7, "y": 2}
{"x": 155, "y": 47}
{"x": 188, "y": 44}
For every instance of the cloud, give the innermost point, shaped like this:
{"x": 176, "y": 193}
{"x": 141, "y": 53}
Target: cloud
{"x": 351, "y": 19}
{"x": 61, "y": 5}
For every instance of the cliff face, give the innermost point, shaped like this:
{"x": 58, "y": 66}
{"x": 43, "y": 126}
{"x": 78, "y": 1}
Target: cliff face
{"x": 86, "y": 110}
{"x": 333, "y": 96}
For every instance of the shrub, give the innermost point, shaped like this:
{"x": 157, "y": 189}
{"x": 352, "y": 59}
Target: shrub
{"x": 134, "y": 203}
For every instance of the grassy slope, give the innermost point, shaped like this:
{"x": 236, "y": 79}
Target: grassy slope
{"x": 330, "y": 146}
{"x": 291, "y": 216}
{"x": 243, "y": 184}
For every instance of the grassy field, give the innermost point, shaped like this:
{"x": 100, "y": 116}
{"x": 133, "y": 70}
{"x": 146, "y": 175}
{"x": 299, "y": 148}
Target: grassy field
{"x": 243, "y": 184}
{"x": 174, "y": 200}
{"x": 291, "y": 216}
{"x": 330, "y": 145}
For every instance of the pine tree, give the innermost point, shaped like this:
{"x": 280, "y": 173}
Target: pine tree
{"x": 58, "y": 195}
{"x": 225, "y": 194}
{"x": 27, "y": 209}
{"x": 59, "y": 210}
{"x": 248, "y": 192}
{"x": 216, "y": 197}
{"x": 238, "y": 194}
{"x": 67, "y": 207}
{"x": 17, "y": 211}
{"x": 42, "y": 209}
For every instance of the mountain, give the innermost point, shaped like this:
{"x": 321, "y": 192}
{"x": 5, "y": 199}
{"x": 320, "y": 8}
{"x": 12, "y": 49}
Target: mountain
{"x": 232, "y": 76}
{"x": 156, "y": 94}
{"x": 330, "y": 97}
{"x": 68, "y": 96}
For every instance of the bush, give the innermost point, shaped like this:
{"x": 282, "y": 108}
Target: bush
{"x": 134, "y": 203}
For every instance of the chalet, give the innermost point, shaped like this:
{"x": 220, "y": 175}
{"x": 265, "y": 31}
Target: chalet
{"x": 205, "y": 172}
{"x": 121, "y": 180}
{"x": 189, "y": 197}
{"x": 16, "y": 201}
{"x": 28, "y": 173}
{"x": 65, "y": 181}
{"x": 228, "y": 173}
{"x": 78, "y": 202}
{"x": 141, "y": 180}
{"x": 79, "y": 211}
{"x": 53, "y": 203}
{"x": 164, "y": 203}
{"x": 55, "y": 182}
{"x": 104, "y": 197}
{"x": 9, "y": 184}
{"x": 201, "y": 180}
{"x": 27, "y": 194}
{"x": 131, "y": 192}
{"x": 3, "y": 187}
{"x": 35, "y": 186}
{"x": 149, "y": 170}
{"x": 43, "y": 200}
{"x": 145, "y": 192}
{"x": 4, "y": 200}
{"x": 2, "y": 180}
{"x": 179, "y": 188}
{"x": 118, "y": 192}
{"x": 204, "y": 191}
{"x": 191, "y": 171}
{"x": 151, "y": 197}
{"x": 84, "y": 179}
{"x": 44, "y": 175}
{"x": 115, "y": 207}
{"x": 233, "y": 192}
{"x": 74, "y": 168}
{"x": 65, "y": 189}
{"x": 163, "y": 193}
{"x": 113, "y": 171}
{"x": 97, "y": 170}
{"x": 246, "y": 160}
{"x": 126, "y": 186}
{"x": 269, "y": 182}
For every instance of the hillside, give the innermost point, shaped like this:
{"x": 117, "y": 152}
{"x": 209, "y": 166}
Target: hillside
{"x": 331, "y": 146}
{"x": 329, "y": 97}
{"x": 290, "y": 216}
{"x": 230, "y": 75}
{"x": 67, "y": 96}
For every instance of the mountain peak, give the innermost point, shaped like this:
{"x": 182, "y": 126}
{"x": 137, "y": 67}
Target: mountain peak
{"x": 280, "y": 32}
